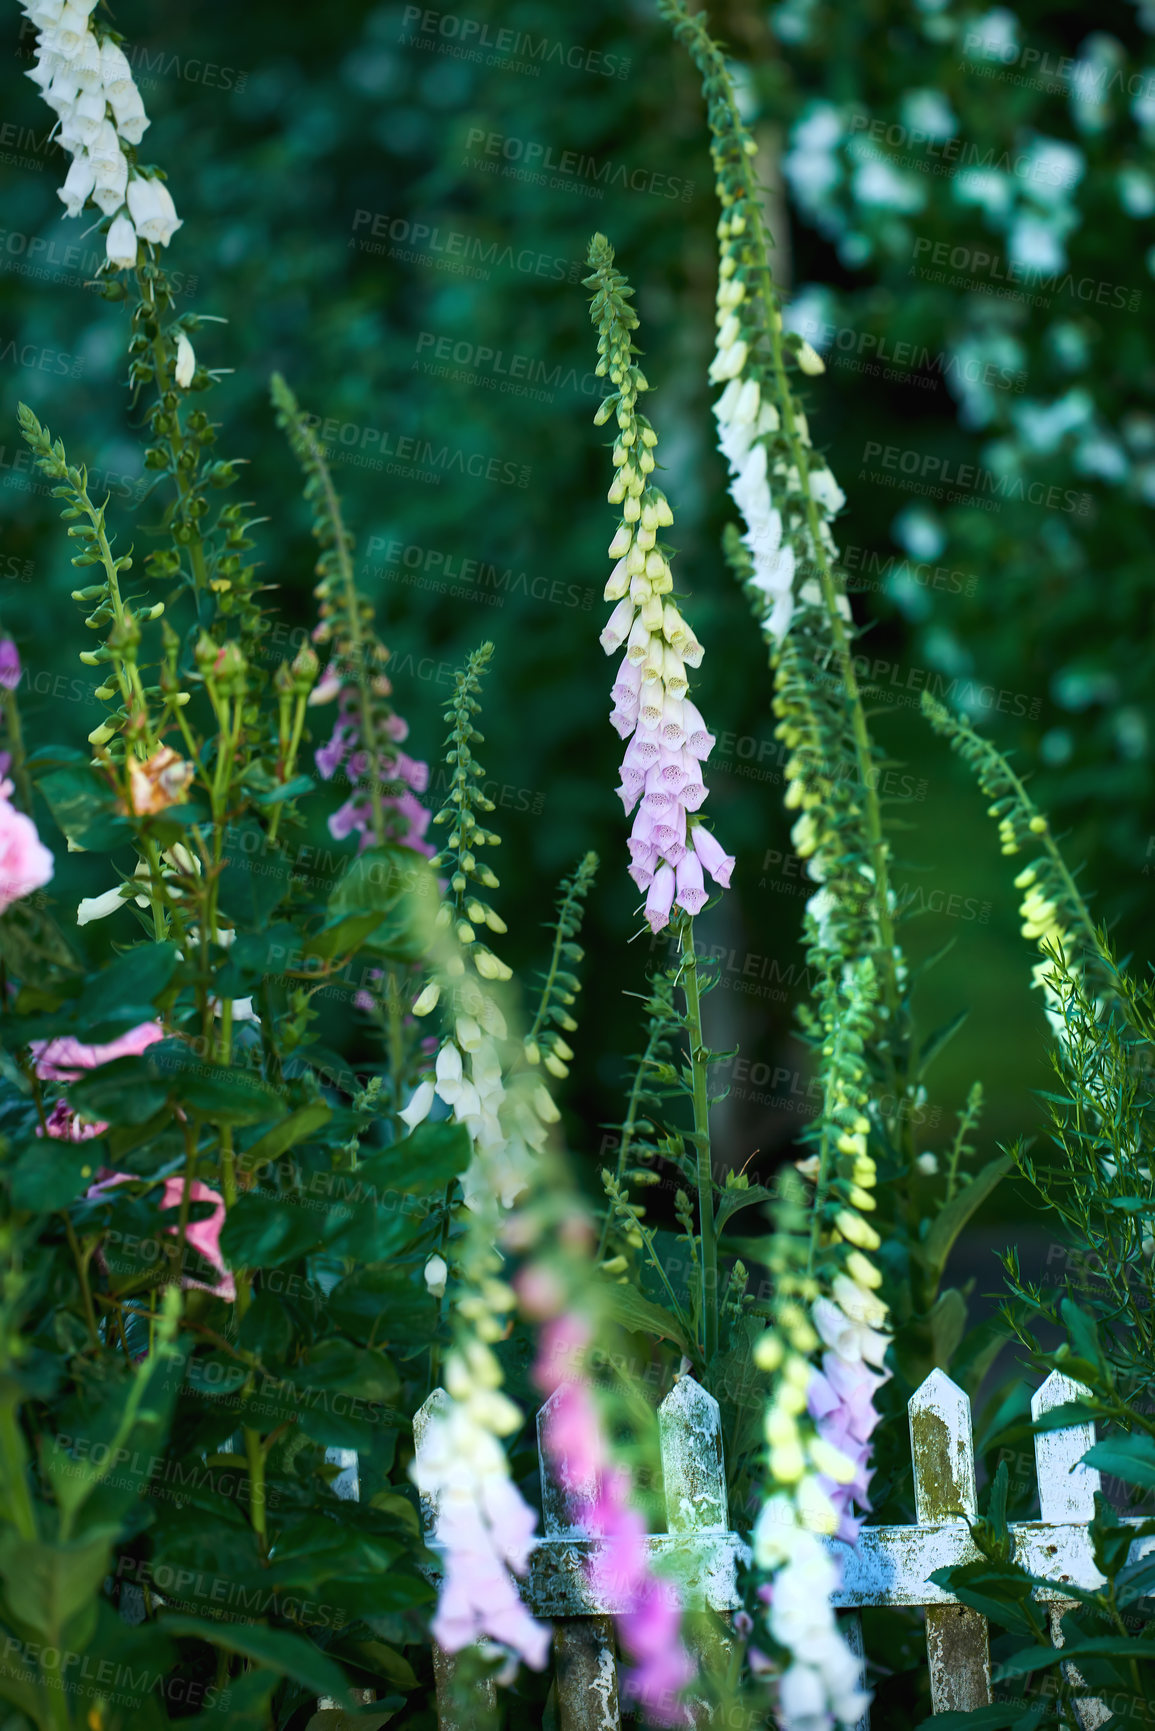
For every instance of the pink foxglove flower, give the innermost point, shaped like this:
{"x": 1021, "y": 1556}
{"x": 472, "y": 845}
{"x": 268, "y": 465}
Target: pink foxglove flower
{"x": 401, "y": 777}
{"x": 9, "y": 664}
{"x": 667, "y": 741}
{"x": 25, "y": 862}
{"x": 650, "y": 1630}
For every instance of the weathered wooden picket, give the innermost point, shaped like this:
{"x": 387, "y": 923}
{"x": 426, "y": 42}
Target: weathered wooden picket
{"x": 889, "y": 1566}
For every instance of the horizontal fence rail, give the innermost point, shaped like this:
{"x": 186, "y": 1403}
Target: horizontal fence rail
{"x": 887, "y": 1566}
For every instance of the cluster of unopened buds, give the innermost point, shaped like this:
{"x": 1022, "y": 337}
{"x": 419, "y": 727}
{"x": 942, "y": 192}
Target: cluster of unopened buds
{"x": 88, "y": 82}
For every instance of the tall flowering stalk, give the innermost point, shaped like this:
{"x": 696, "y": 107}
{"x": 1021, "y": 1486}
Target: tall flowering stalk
{"x": 366, "y": 738}
{"x": 821, "y": 1412}
{"x": 670, "y": 846}
{"x": 85, "y": 77}
{"x": 1054, "y": 914}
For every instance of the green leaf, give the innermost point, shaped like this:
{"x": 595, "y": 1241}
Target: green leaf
{"x": 1130, "y": 1458}
{"x": 951, "y": 1219}
{"x": 1004, "y": 1716}
{"x": 274, "y": 1649}
{"x": 730, "y": 1202}
{"x": 364, "y": 1719}
{"x": 223, "y": 1093}
{"x": 238, "y": 1705}
{"x": 289, "y": 790}
{"x": 129, "y": 986}
{"x": 51, "y": 1585}
{"x": 631, "y": 1311}
{"x": 1102, "y": 1647}
{"x": 389, "y": 1302}
{"x": 997, "y": 1591}
{"x": 125, "y": 1091}
{"x": 264, "y": 1231}
{"x": 85, "y": 807}
{"x": 941, "y": 1037}
{"x": 255, "y": 876}
{"x": 381, "y": 1660}
{"x": 1084, "y": 1335}
{"x": 42, "y": 1182}
{"x": 425, "y": 1161}
{"x": 297, "y": 1127}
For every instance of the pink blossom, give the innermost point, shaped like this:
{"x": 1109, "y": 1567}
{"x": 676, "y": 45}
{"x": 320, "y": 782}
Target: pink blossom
{"x": 64, "y": 1059}
{"x": 65, "y": 1125}
{"x": 660, "y": 898}
{"x": 25, "y": 862}
{"x": 9, "y": 664}
{"x": 204, "y": 1235}
{"x": 598, "y": 1493}
{"x": 713, "y": 856}
{"x": 691, "y": 893}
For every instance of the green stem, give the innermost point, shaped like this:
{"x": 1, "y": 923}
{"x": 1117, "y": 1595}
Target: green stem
{"x": 630, "y": 1124}
{"x": 81, "y": 1261}
{"x": 15, "y": 734}
{"x": 255, "y": 1455}
{"x": 698, "y": 1066}
{"x": 289, "y": 763}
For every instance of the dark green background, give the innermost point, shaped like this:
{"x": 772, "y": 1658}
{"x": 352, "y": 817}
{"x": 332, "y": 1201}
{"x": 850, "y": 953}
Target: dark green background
{"x": 277, "y": 126}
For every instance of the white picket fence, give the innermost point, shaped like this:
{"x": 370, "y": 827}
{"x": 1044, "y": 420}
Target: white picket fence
{"x": 888, "y": 1566}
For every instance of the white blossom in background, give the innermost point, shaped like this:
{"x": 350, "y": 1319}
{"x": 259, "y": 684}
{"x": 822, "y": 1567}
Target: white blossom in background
{"x": 768, "y": 494}
{"x": 87, "y": 81}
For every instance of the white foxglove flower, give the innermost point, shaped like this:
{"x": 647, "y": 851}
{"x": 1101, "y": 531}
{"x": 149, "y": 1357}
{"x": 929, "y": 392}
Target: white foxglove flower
{"x": 186, "y": 361}
{"x": 78, "y": 185}
{"x": 99, "y": 907}
{"x": 81, "y": 78}
{"x": 152, "y": 210}
{"x": 121, "y": 244}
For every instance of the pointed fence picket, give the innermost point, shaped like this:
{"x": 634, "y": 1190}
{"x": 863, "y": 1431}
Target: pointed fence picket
{"x": 888, "y": 1565}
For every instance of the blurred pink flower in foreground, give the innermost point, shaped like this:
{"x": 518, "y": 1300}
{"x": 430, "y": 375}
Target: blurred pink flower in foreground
{"x": 574, "y": 1441}
{"x": 25, "y": 863}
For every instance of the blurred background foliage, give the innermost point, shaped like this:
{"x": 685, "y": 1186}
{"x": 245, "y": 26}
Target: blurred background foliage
{"x": 392, "y": 204}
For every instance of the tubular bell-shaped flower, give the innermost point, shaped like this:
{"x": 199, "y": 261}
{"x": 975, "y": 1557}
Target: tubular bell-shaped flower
{"x": 668, "y": 741}
{"x": 85, "y": 77}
